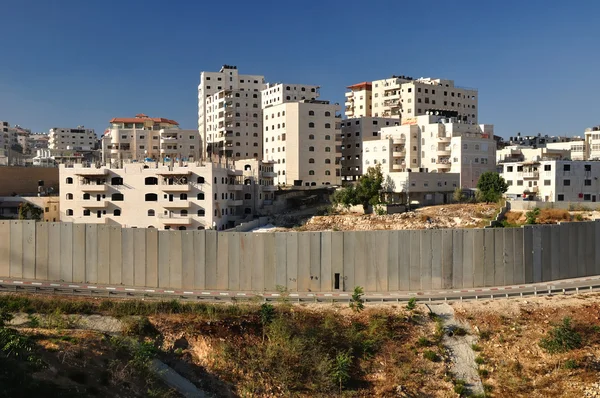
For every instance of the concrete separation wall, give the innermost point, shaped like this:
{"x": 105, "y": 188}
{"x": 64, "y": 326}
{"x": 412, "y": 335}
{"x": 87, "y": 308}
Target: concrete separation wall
{"x": 573, "y": 206}
{"x": 379, "y": 261}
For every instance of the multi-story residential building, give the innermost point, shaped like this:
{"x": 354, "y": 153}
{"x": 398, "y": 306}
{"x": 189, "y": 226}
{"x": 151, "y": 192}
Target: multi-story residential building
{"x": 419, "y": 188}
{"x": 229, "y": 113}
{"x": 303, "y": 140}
{"x": 354, "y": 132}
{"x": 539, "y": 141}
{"x": 79, "y": 138}
{"x": 38, "y": 141}
{"x": 518, "y": 153}
{"x": 403, "y": 96}
{"x": 553, "y": 180}
{"x": 151, "y": 195}
{"x": 434, "y": 144}
{"x": 143, "y": 137}
{"x": 275, "y": 94}
{"x": 4, "y": 135}
{"x": 592, "y": 143}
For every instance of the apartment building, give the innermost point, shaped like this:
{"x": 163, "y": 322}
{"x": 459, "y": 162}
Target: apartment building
{"x": 303, "y": 139}
{"x": 592, "y": 143}
{"x": 519, "y": 153}
{"x": 143, "y": 137}
{"x": 434, "y": 144}
{"x": 64, "y": 138}
{"x": 152, "y": 195}
{"x": 539, "y": 140}
{"x": 354, "y": 132}
{"x": 229, "y": 113}
{"x": 404, "y": 96}
{"x": 553, "y": 180}
{"x": 278, "y": 93}
{"x": 39, "y": 141}
{"x": 4, "y": 135}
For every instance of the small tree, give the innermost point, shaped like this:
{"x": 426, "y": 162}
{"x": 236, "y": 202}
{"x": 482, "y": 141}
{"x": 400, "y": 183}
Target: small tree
{"x": 341, "y": 367}
{"x": 28, "y": 211}
{"x": 458, "y": 195}
{"x": 366, "y": 192}
{"x": 491, "y": 187}
{"x": 357, "y": 302}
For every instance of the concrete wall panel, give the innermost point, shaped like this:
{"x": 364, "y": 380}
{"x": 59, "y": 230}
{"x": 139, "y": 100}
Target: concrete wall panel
{"x": 437, "y": 251}
{"x": 447, "y": 254}
{"x": 175, "y": 260}
{"x": 164, "y": 252}
{"x": 415, "y": 261}
{"x": 139, "y": 257}
{"x": 41, "y": 250}
{"x": 580, "y": 259}
{"x": 222, "y": 261}
{"x": 393, "y": 261}
{"x": 468, "y": 256}
{"x": 349, "y": 280}
{"x": 269, "y": 263}
{"x": 537, "y": 253}
{"x": 303, "y": 261}
{"x": 152, "y": 257}
{"x": 127, "y": 256}
{"x": 489, "y": 256}
{"x": 66, "y": 251}
{"x": 16, "y": 249}
{"x": 499, "y": 254}
{"x": 258, "y": 278}
{"x": 457, "y": 258}
{"x": 508, "y": 257}
{"x": 426, "y": 260}
{"x": 103, "y": 254}
{"x": 325, "y": 276}
{"x": 233, "y": 282}
{"x": 200, "y": 256}
{"x": 555, "y": 246}
{"x": 116, "y": 259}
{"x": 292, "y": 255}
{"x": 78, "y": 253}
{"x": 188, "y": 265}
{"x": 337, "y": 259}
{"x": 29, "y": 249}
{"x": 91, "y": 253}
{"x": 5, "y": 249}
{"x": 361, "y": 262}
{"x": 315, "y": 261}
{"x": 528, "y": 253}
{"x": 590, "y": 249}
{"x": 281, "y": 260}
{"x": 372, "y": 246}
{"x": 478, "y": 257}
{"x": 211, "y": 259}
{"x": 597, "y": 246}
{"x": 246, "y": 260}
{"x": 573, "y": 261}
{"x": 403, "y": 243}
{"x": 519, "y": 271}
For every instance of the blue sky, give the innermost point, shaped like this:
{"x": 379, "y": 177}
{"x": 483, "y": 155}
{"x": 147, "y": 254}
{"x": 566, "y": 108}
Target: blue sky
{"x": 72, "y": 62}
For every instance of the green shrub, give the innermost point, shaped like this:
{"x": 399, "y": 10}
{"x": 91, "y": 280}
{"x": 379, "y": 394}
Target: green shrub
{"x": 479, "y": 360}
{"x": 561, "y": 338}
{"x": 570, "y": 364}
{"x": 139, "y": 326}
{"x": 475, "y": 347}
{"x": 432, "y": 356}
{"x": 485, "y": 334}
{"x": 483, "y": 373}
{"x": 459, "y": 387}
{"x": 341, "y": 368}
{"x": 460, "y": 331}
{"x": 412, "y": 304}
{"x": 356, "y": 301}
{"x": 423, "y": 342}
{"x": 531, "y": 216}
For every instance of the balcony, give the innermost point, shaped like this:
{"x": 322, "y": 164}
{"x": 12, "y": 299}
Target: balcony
{"x": 235, "y": 202}
{"x": 180, "y": 171}
{"x": 93, "y": 188}
{"x": 443, "y": 151}
{"x": 397, "y": 167}
{"x": 233, "y": 172}
{"x": 398, "y": 141}
{"x": 531, "y": 174}
{"x": 175, "y": 187}
{"x": 399, "y": 152}
{"x": 444, "y": 139}
{"x": 90, "y": 171}
{"x": 93, "y": 203}
{"x": 269, "y": 174}
{"x": 235, "y": 187}
{"x": 269, "y": 188}
{"x": 178, "y": 204}
{"x": 175, "y": 220}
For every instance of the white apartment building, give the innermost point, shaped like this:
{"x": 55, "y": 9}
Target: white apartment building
{"x": 553, "y": 180}
{"x": 229, "y": 113}
{"x": 143, "y": 137}
{"x": 592, "y": 143}
{"x": 519, "y": 153}
{"x": 302, "y": 139}
{"x": 153, "y": 195}
{"x": 80, "y": 138}
{"x": 354, "y": 132}
{"x": 433, "y": 144}
{"x": 275, "y": 94}
{"x": 403, "y": 96}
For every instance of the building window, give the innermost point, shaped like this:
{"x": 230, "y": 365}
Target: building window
{"x": 311, "y": 113}
{"x": 117, "y": 212}
{"x": 151, "y": 197}
{"x": 311, "y": 160}
{"x": 328, "y": 137}
{"x": 311, "y": 137}
{"x": 547, "y": 167}
{"x": 311, "y": 172}
{"x": 69, "y": 180}
{"x": 567, "y": 183}
{"x": 547, "y": 182}
{"x": 183, "y": 213}
{"x": 587, "y": 167}
{"x": 327, "y": 172}
{"x": 509, "y": 169}
{"x": 327, "y": 149}
{"x": 151, "y": 213}
{"x": 117, "y": 197}
{"x": 567, "y": 167}
{"x": 247, "y": 196}
{"x": 587, "y": 182}
{"x": 116, "y": 181}
{"x": 327, "y": 125}
{"x": 69, "y": 196}
{"x": 520, "y": 183}
{"x": 201, "y": 212}
{"x": 86, "y": 196}
{"x": 311, "y": 125}
{"x": 327, "y": 161}
{"x": 69, "y": 212}
{"x": 587, "y": 196}
{"x": 311, "y": 149}
{"x": 87, "y": 212}
{"x": 200, "y": 180}
{"x": 151, "y": 181}
{"x": 183, "y": 196}
{"x": 560, "y": 197}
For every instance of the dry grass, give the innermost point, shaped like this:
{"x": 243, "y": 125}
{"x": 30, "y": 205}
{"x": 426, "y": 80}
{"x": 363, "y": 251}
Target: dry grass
{"x": 552, "y": 216}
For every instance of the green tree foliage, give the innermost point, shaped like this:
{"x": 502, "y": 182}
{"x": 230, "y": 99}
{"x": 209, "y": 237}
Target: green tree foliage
{"x": 28, "y": 211}
{"x": 532, "y": 216}
{"x": 366, "y": 192}
{"x": 561, "y": 338}
{"x": 458, "y": 195}
{"x": 491, "y": 187}
{"x": 357, "y": 302}
{"x": 341, "y": 367}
